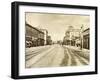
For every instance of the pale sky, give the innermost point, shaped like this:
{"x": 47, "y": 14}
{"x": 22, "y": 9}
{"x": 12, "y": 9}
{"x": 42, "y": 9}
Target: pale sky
{"x": 57, "y": 24}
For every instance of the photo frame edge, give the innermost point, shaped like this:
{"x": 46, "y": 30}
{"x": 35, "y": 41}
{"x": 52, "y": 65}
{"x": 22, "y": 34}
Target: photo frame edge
{"x": 15, "y": 43}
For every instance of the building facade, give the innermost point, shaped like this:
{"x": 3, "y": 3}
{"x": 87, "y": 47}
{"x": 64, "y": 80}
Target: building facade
{"x": 71, "y": 36}
{"x": 33, "y": 36}
{"x": 45, "y": 35}
{"x": 86, "y": 39}
{"x": 49, "y": 41}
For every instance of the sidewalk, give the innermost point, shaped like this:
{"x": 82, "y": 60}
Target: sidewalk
{"x": 28, "y": 50}
{"x": 78, "y": 48}
{"x": 84, "y": 52}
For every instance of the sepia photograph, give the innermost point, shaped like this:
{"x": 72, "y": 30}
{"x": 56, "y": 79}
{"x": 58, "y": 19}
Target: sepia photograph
{"x": 56, "y": 40}
{"x": 50, "y": 40}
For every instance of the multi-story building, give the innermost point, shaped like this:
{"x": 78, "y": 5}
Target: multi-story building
{"x": 33, "y": 36}
{"x": 71, "y": 35}
{"x": 86, "y": 38}
{"x": 78, "y": 37}
{"x": 45, "y": 35}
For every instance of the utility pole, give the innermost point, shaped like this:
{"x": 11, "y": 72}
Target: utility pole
{"x": 81, "y": 37}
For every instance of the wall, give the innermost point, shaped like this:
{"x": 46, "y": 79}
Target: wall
{"x": 5, "y": 41}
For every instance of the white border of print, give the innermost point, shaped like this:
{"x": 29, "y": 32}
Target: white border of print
{"x": 38, "y": 71}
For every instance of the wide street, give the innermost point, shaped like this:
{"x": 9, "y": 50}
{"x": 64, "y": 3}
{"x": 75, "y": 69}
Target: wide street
{"x": 55, "y": 55}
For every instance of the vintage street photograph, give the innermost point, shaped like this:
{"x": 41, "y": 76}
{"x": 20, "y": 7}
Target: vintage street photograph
{"x": 56, "y": 40}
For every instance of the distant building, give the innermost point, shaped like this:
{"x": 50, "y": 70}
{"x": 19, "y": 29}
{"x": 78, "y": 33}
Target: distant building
{"x": 59, "y": 42}
{"x": 78, "y": 41}
{"x": 66, "y": 39}
{"x": 33, "y": 36}
{"x": 86, "y": 38}
{"x": 49, "y": 41}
